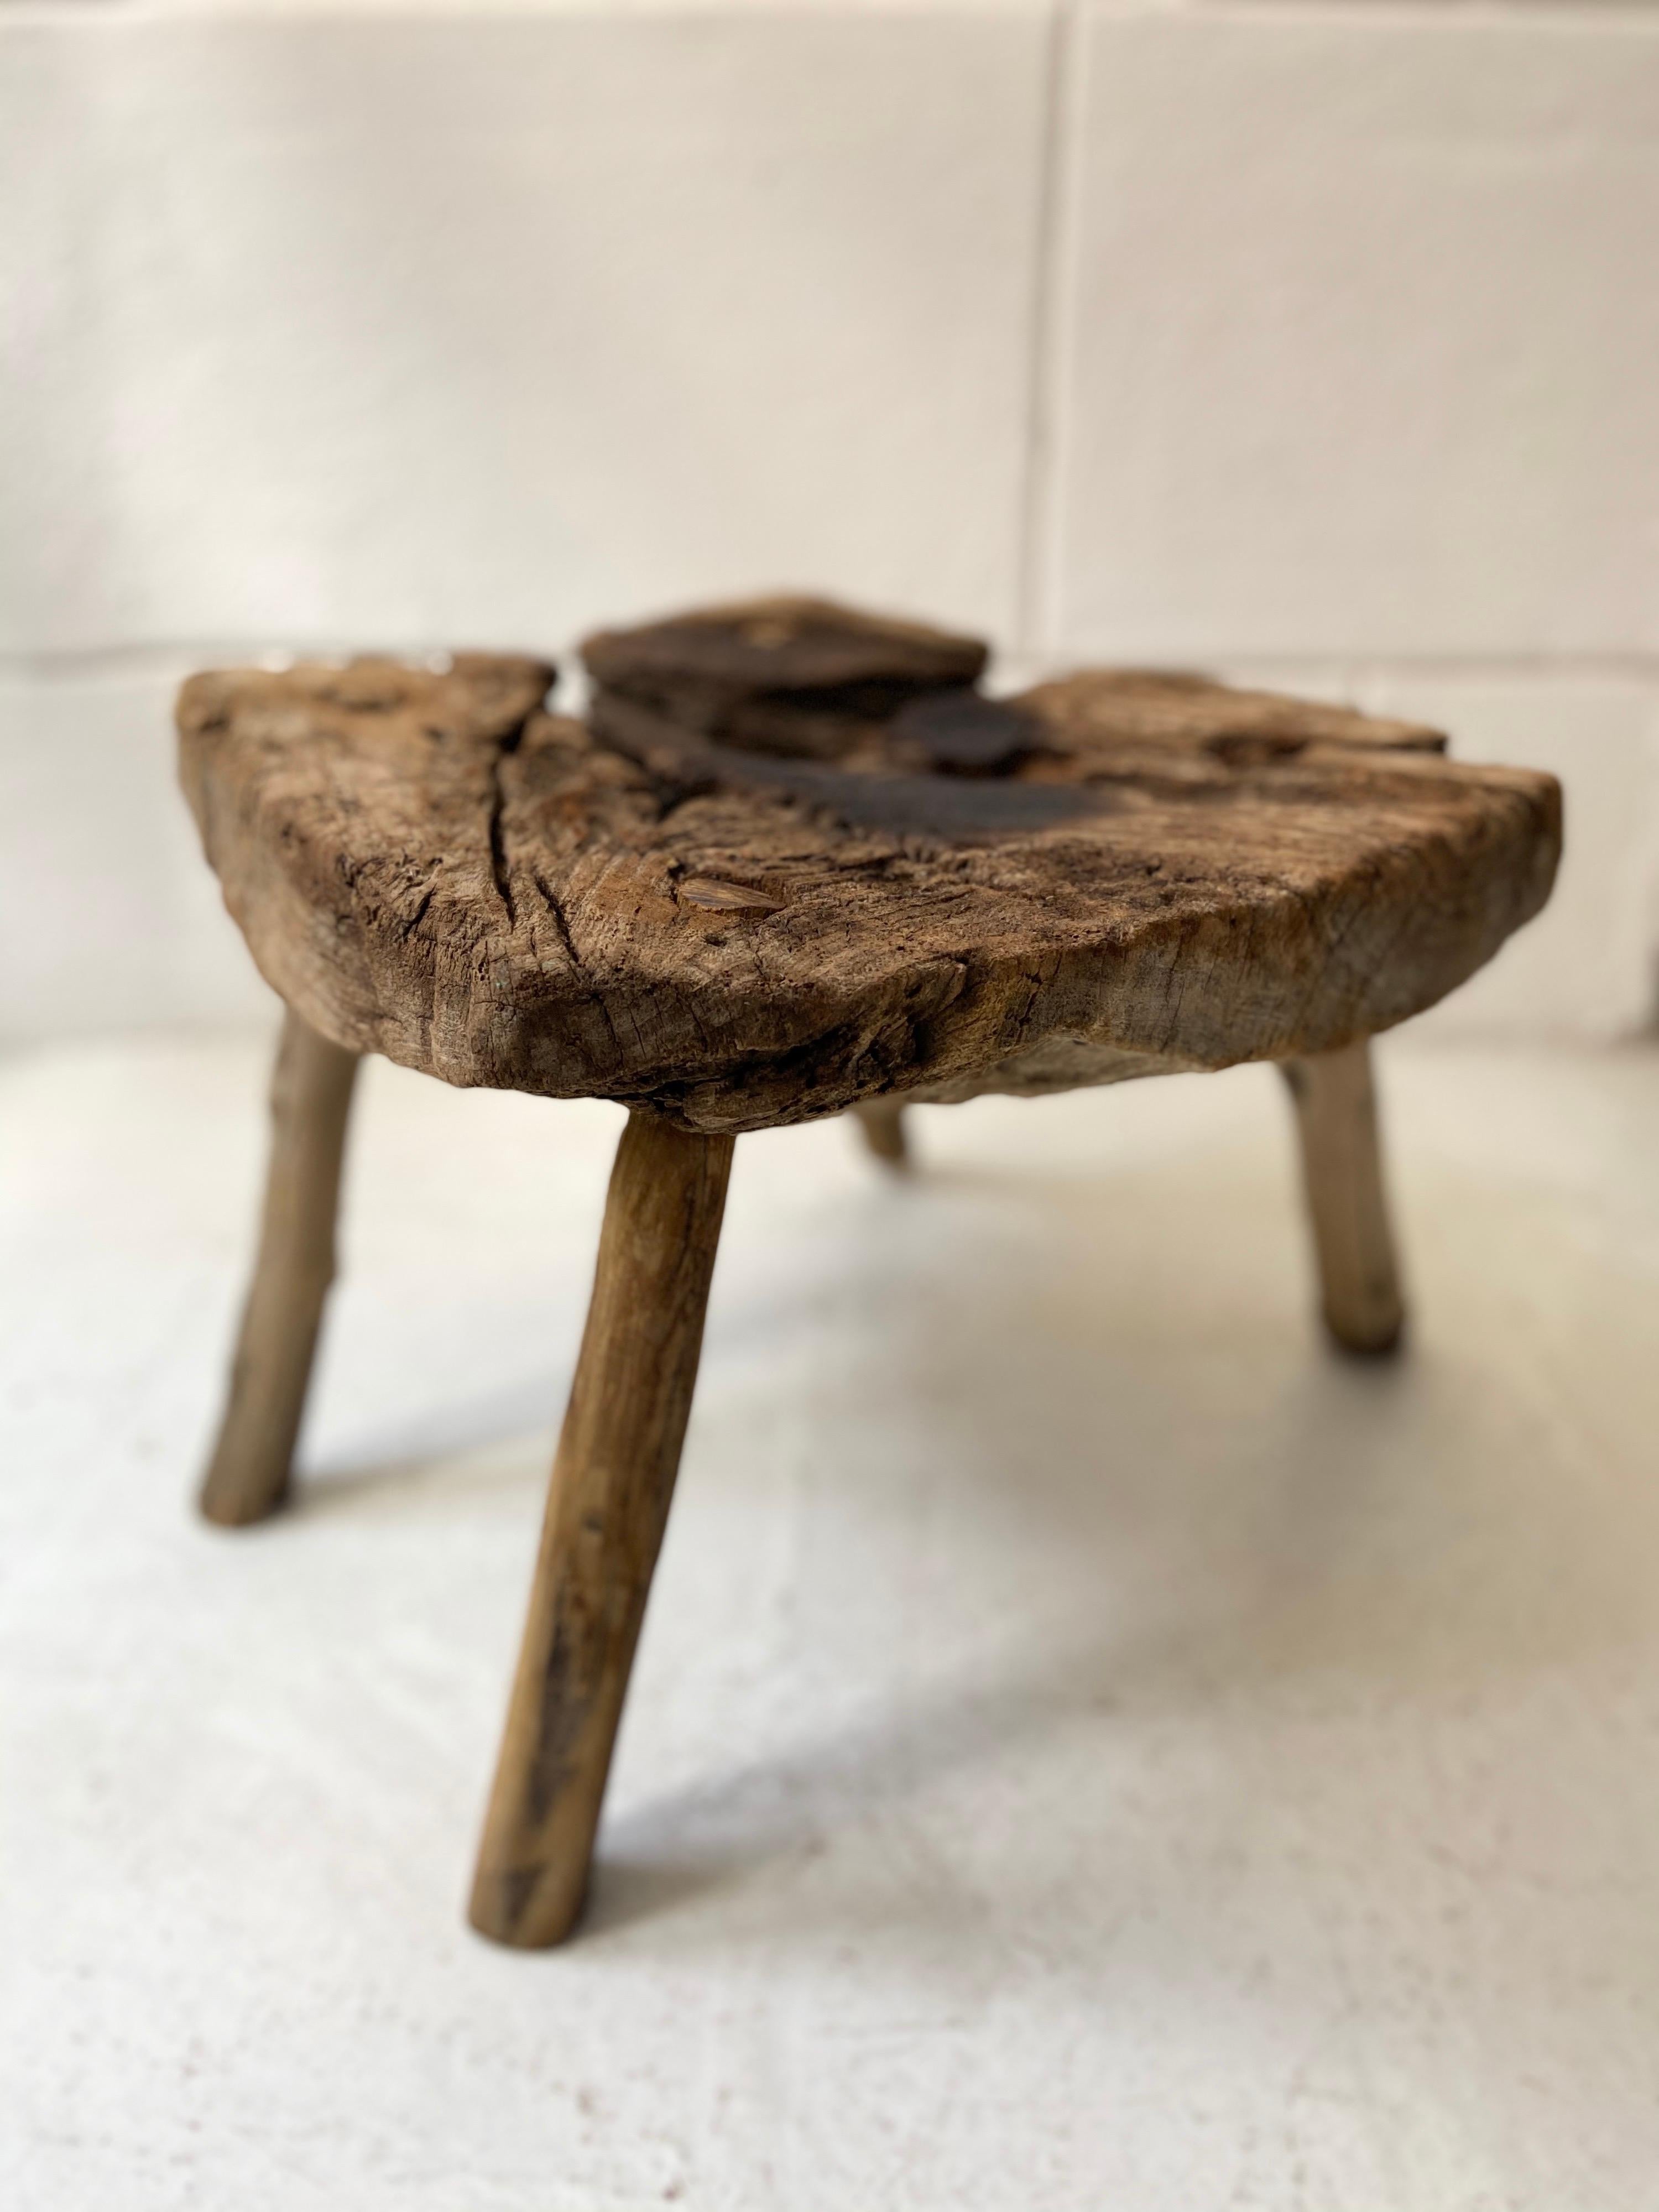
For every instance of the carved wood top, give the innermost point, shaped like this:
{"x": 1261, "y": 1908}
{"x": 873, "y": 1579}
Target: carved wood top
{"x": 766, "y": 888}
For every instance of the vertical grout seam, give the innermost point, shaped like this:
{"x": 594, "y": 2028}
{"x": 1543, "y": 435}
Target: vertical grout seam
{"x": 1039, "y": 517}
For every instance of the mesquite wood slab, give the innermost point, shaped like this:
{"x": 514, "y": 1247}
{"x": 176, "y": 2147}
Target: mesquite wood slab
{"x": 1155, "y": 873}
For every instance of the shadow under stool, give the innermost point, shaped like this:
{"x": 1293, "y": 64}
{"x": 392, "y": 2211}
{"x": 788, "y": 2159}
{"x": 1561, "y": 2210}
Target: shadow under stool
{"x": 794, "y": 862}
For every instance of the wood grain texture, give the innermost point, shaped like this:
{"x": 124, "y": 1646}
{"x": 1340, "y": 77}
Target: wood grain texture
{"x": 248, "y": 1475}
{"x": 1147, "y": 872}
{"x": 1335, "y": 1101}
{"x": 613, "y": 1478}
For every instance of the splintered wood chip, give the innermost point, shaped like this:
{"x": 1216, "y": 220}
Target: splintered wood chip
{"x": 710, "y": 891}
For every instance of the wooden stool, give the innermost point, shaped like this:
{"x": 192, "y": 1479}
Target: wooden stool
{"x": 796, "y": 864}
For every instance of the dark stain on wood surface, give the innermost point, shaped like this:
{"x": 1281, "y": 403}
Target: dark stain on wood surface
{"x": 428, "y": 864}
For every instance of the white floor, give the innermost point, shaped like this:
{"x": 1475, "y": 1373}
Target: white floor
{"x": 1091, "y": 1747}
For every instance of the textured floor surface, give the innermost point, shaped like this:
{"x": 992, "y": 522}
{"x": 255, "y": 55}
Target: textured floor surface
{"x": 1091, "y": 1747}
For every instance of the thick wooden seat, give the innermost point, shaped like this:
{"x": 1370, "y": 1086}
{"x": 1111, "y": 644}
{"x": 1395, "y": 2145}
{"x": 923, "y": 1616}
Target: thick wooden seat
{"x": 794, "y": 862}
{"x": 1155, "y": 871}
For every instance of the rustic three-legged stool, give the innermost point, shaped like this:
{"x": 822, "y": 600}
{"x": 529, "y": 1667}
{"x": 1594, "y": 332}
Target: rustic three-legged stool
{"x": 794, "y": 864}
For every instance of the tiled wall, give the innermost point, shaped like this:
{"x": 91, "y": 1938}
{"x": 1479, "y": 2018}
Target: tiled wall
{"x": 1310, "y": 342}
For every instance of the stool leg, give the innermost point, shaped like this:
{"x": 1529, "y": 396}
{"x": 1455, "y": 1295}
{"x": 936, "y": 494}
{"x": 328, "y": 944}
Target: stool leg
{"x": 1342, "y": 1174}
{"x": 247, "y": 1477}
{"x": 882, "y": 1121}
{"x": 613, "y": 1477}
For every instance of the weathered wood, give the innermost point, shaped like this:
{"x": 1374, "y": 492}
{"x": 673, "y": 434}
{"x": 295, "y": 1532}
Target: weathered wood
{"x": 1335, "y": 1104}
{"x": 798, "y": 677}
{"x": 248, "y": 1475}
{"x": 796, "y": 864}
{"x": 1159, "y": 873}
{"x": 882, "y": 1121}
{"x": 612, "y": 1481}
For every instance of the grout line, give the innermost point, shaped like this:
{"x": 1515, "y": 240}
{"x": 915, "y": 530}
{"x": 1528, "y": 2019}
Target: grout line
{"x": 176, "y": 657}
{"x": 1499, "y": 667}
{"x": 1037, "y": 518}
{"x": 1357, "y": 663}
{"x": 1554, "y": 16}
{"x": 1437, "y": 15}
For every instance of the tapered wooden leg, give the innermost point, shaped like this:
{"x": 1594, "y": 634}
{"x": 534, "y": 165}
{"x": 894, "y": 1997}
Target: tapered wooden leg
{"x": 247, "y": 1477}
{"x": 882, "y": 1121}
{"x": 613, "y": 1477}
{"x": 1342, "y": 1173}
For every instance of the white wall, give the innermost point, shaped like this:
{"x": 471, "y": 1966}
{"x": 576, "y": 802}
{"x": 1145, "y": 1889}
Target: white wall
{"x": 1313, "y": 342}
